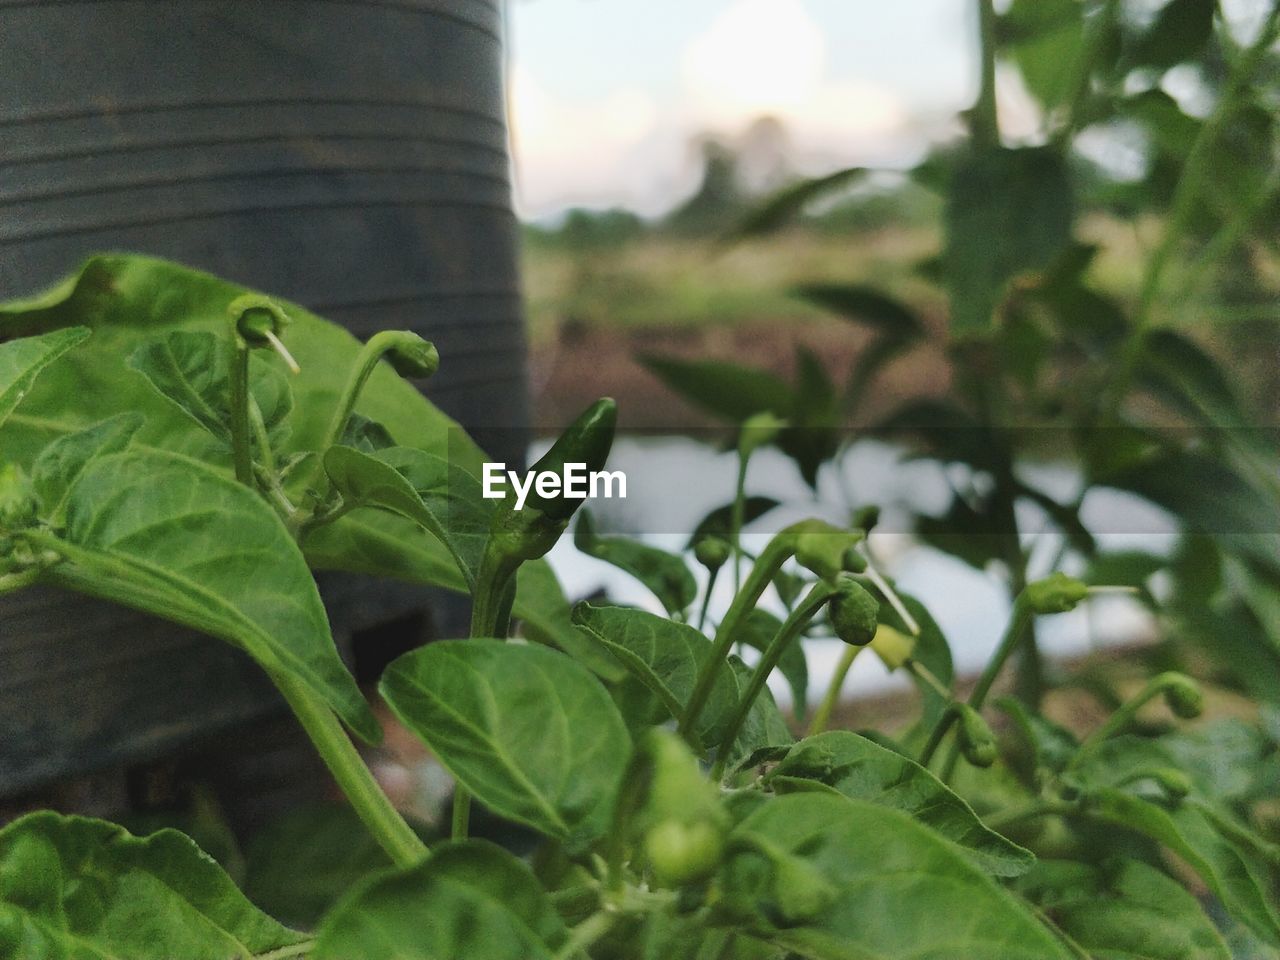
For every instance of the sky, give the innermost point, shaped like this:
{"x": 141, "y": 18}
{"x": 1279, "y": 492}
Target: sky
{"x": 609, "y": 96}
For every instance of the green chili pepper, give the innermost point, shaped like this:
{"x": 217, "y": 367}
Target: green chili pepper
{"x": 977, "y": 742}
{"x": 1182, "y": 694}
{"x": 588, "y": 441}
{"x": 1056, "y": 593}
{"x": 712, "y": 552}
{"x": 854, "y": 613}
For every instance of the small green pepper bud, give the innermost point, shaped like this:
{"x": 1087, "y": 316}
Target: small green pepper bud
{"x": 413, "y": 357}
{"x": 1056, "y": 593}
{"x": 1172, "y": 781}
{"x": 977, "y": 742}
{"x": 259, "y": 322}
{"x": 682, "y": 853}
{"x": 680, "y": 819}
{"x": 866, "y": 518}
{"x": 824, "y": 549}
{"x": 712, "y": 552}
{"x": 1182, "y": 694}
{"x": 757, "y": 431}
{"x": 854, "y": 613}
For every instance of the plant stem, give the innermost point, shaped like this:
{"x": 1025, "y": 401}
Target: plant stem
{"x": 586, "y": 933}
{"x": 712, "y": 574}
{"x": 805, "y": 611}
{"x": 985, "y": 120}
{"x": 1041, "y": 808}
{"x": 239, "y": 389}
{"x": 353, "y": 777}
{"x": 737, "y": 520}
{"x": 460, "y": 822}
{"x": 770, "y": 562}
{"x": 822, "y": 716}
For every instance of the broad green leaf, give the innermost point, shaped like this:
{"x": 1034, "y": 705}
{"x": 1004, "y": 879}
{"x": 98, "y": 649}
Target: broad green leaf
{"x": 1239, "y": 874}
{"x": 665, "y": 574}
{"x": 1008, "y": 211}
{"x": 60, "y": 463}
{"x": 789, "y": 202}
{"x": 900, "y": 890}
{"x": 366, "y": 481}
{"x": 469, "y": 901}
{"x": 719, "y": 521}
{"x": 814, "y": 434}
{"x": 168, "y": 535}
{"x": 22, "y": 361}
{"x": 858, "y": 768}
{"x": 758, "y": 630}
{"x": 663, "y": 658}
{"x": 531, "y": 733}
{"x": 82, "y": 889}
{"x": 1045, "y": 39}
{"x": 864, "y": 304}
{"x": 300, "y": 864}
{"x": 1123, "y": 910}
{"x": 192, "y": 371}
{"x": 367, "y": 436}
{"x": 726, "y": 390}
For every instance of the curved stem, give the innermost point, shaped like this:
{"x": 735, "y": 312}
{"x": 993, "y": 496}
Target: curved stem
{"x": 1041, "y": 808}
{"x": 712, "y": 574}
{"x": 353, "y": 777}
{"x": 770, "y": 562}
{"x": 822, "y": 716}
{"x": 585, "y": 934}
{"x": 805, "y": 611}
{"x": 239, "y": 387}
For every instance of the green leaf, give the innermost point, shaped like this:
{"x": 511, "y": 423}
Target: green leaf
{"x": 301, "y": 863}
{"x": 192, "y": 371}
{"x": 726, "y": 390}
{"x": 900, "y": 889}
{"x": 790, "y": 201}
{"x": 170, "y": 536}
{"x": 1180, "y": 31}
{"x": 367, "y": 436}
{"x": 529, "y": 732}
{"x": 665, "y": 574}
{"x": 469, "y": 901}
{"x": 863, "y": 304}
{"x": 21, "y": 361}
{"x": 719, "y": 522}
{"x": 1179, "y": 372}
{"x": 1045, "y": 38}
{"x": 1123, "y": 909}
{"x": 758, "y": 630}
{"x": 663, "y": 658}
{"x": 1238, "y": 874}
{"x": 858, "y": 768}
{"x": 79, "y": 888}
{"x": 1008, "y": 211}
{"x": 931, "y": 650}
{"x": 60, "y": 463}
{"x": 366, "y": 481}
{"x": 764, "y": 727}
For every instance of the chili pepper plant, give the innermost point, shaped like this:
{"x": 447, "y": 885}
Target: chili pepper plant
{"x": 160, "y": 451}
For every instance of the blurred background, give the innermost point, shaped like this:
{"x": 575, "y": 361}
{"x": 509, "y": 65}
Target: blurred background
{"x": 732, "y": 180}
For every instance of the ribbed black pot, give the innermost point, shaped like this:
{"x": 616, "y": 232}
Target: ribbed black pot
{"x": 347, "y": 154}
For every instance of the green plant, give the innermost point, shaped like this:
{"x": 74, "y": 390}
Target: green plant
{"x": 213, "y": 482}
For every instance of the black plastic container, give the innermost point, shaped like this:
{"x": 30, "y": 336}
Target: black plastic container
{"x": 347, "y": 154}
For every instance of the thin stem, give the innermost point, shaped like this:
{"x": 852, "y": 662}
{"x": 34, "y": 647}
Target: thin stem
{"x": 1094, "y": 42}
{"x": 770, "y": 562}
{"x": 736, "y": 520}
{"x": 891, "y": 595}
{"x": 985, "y": 122}
{"x": 1120, "y": 720}
{"x": 293, "y": 950}
{"x": 822, "y": 716}
{"x": 353, "y": 777}
{"x": 460, "y": 822}
{"x": 240, "y": 431}
{"x": 712, "y": 574}
{"x": 805, "y": 611}
{"x": 585, "y": 934}
{"x": 1040, "y": 808}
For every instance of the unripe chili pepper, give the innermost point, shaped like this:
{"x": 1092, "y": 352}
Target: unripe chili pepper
{"x": 1182, "y": 694}
{"x": 259, "y": 322}
{"x": 1056, "y": 593}
{"x": 977, "y": 742}
{"x": 712, "y": 552}
{"x": 854, "y": 613}
{"x": 588, "y": 441}
{"x": 893, "y": 647}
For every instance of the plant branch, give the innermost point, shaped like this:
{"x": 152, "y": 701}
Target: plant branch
{"x": 822, "y": 716}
